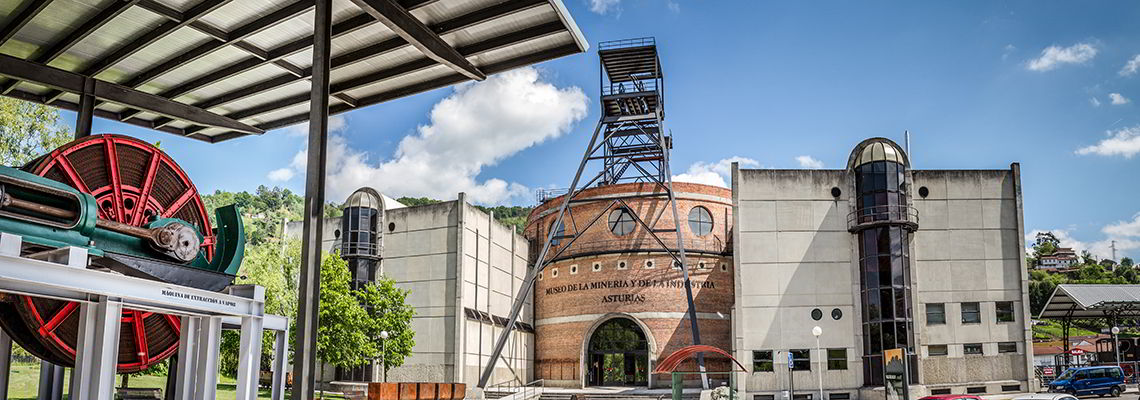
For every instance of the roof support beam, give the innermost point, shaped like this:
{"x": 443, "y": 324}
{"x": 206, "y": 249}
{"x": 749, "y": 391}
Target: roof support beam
{"x": 168, "y": 27}
{"x": 349, "y": 58}
{"x": 408, "y": 67}
{"x": 410, "y": 28}
{"x": 275, "y": 56}
{"x": 59, "y": 79}
{"x": 74, "y": 37}
{"x": 269, "y": 20}
{"x": 29, "y": 10}
{"x": 412, "y": 89}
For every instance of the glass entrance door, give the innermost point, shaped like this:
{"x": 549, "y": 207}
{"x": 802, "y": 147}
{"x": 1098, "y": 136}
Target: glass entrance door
{"x": 618, "y": 355}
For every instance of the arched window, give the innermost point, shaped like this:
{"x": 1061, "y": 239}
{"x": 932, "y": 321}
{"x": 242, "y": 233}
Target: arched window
{"x": 700, "y": 221}
{"x": 621, "y": 221}
{"x": 559, "y": 232}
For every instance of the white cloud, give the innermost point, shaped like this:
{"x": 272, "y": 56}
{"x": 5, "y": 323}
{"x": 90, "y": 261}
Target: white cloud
{"x": 673, "y": 6}
{"x": 809, "y": 162}
{"x": 1124, "y": 228}
{"x": 1131, "y": 67}
{"x": 1094, "y": 102}
{"x": 605, "y": 6}
{"x": 477, "y": 126}
{"x": 1118, "y": 99}
{"x": 1122, "y": 142}
{"x": 281, "y": 174}
{"x": 714, "y": 174}
{"x": 1054, "y": 56}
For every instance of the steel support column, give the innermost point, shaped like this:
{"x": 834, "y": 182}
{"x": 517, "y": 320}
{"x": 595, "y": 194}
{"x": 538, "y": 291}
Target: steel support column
{"x": 5, "y": 362}
{"x": 86, "y": 114}
{"x": 187, "y": 358}
{"x": 97, "y": 350}
{"x": 308, "y": 300}
{"x": 206, "y": 367}
{"x": 280, "y": 362}
{"x": 51, "y": 382}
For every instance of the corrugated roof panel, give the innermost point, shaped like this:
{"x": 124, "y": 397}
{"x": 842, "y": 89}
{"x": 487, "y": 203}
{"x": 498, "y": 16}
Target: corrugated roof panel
{"x": 230, "y": 78}
{"x": 400, "y": 82}
{"x": 124, "y": 29}
{"x": 298, "y": 27}
{"x": 283, "y": 113}
{"x": 238, "y": 81}
{"x": 161, "y": 51}
{"x": 237, "y": 13}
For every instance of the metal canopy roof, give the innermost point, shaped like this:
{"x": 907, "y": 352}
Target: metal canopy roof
{"x": 1092, "y": 301}
{"x": 220, "y": 69}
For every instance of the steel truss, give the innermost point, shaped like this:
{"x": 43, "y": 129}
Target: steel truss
{"x": 63, "y": 274}
{"x": 631, "y": 146}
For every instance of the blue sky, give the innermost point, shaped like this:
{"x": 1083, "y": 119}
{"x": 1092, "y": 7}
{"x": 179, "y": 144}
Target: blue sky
{"x": 980, "y": 84}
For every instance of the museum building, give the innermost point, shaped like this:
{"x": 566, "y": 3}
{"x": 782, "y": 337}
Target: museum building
{"x": 878, "y": 255}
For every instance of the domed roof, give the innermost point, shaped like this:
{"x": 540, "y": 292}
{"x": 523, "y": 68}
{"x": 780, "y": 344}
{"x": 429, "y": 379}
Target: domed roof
{"x": 877, "y": 149}
{"x": 365, "y": 198}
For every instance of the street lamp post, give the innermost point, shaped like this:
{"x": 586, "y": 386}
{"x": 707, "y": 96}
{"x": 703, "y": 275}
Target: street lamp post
{"x": 817, "y": 331}
{"x": 1116, "y": 344}
{"x": 384, "y": 353}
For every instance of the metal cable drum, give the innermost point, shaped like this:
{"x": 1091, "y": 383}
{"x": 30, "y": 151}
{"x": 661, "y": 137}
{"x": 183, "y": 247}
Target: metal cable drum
{"x": 132, "y": 182}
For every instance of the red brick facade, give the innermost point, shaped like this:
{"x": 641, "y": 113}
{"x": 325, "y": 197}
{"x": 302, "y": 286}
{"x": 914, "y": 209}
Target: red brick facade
{"x": 602, "y": 275}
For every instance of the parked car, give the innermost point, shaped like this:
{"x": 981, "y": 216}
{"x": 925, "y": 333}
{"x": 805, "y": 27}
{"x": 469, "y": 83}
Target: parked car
{"x": 1103, "y": 380}
{"x": 1047, "y": 396}
{"x": 951, "y": 397}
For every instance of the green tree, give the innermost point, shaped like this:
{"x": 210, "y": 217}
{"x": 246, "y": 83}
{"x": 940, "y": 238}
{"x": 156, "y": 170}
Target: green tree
{"x": 342, "y": 335}
{"x": 28, "y": 130}
{"x": 388, "y": 310}
{"x": 1087, "y": 258}
{"x": 1126, "y": 262}
{"x": 274, "y": 266}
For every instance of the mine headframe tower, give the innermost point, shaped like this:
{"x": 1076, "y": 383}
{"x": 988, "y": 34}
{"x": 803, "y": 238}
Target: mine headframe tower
{"x": 630, "y": 145}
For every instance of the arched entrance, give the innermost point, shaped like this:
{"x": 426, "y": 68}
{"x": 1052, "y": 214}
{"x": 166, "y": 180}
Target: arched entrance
{"x": 618, "y": 355}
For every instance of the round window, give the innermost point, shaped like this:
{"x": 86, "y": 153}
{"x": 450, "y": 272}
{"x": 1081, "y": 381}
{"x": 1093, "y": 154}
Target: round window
{"x": 923, "y": 191}
{"x": 559, "y": 232}
{"x": 816, "y": 314}
{"x": 621, "y": 221}
{"x": 597, "y": 266}
{"x": 391, "y": 226}
{"x": 836, "y": 314}
{"x": 700, "y": 221}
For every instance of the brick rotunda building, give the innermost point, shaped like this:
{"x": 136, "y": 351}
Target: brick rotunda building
{"x": 612, "y": 304}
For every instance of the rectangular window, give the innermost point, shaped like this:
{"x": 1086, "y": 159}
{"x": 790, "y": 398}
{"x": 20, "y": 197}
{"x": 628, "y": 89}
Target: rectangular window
{"x": 801, "y": 359}
{"x": 836, "y": 359}
{"x": 762, "y": 361}
{"x": 763, "y": 397}
{"x": 1004, "y": 311}
{"x": 935, "y": 314}
{"x": 972, "y": 349}
{"x": 937, "y": 350}
{"x": 976, "y": 389}
{"x": 839, "y": 396}
{"x": 940, "y": 391}
{"x": 1011, "y": 388}
{"x": 1007, "y": 347}
{"x": 971, "y": 313}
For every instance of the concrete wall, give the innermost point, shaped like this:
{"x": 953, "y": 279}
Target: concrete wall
{"x": 969, "y": 249}
{"x": 793, "y": 254}
{"x": 428, "y": 250}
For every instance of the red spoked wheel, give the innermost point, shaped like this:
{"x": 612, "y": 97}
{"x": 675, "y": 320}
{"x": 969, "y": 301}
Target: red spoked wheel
{"x": 132, "y": 182}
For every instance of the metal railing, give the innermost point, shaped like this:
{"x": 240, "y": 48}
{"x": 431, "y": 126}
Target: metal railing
{"x": 881, "y": 215}
{"x": 527, "y": 391}
{"x": 648, "y": 84}
{"x": 635, "y": 42}
{"x": 542, "y": 195}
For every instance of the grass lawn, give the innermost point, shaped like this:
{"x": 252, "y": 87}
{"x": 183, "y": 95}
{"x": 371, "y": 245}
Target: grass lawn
{"x": 25, "y": 378}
